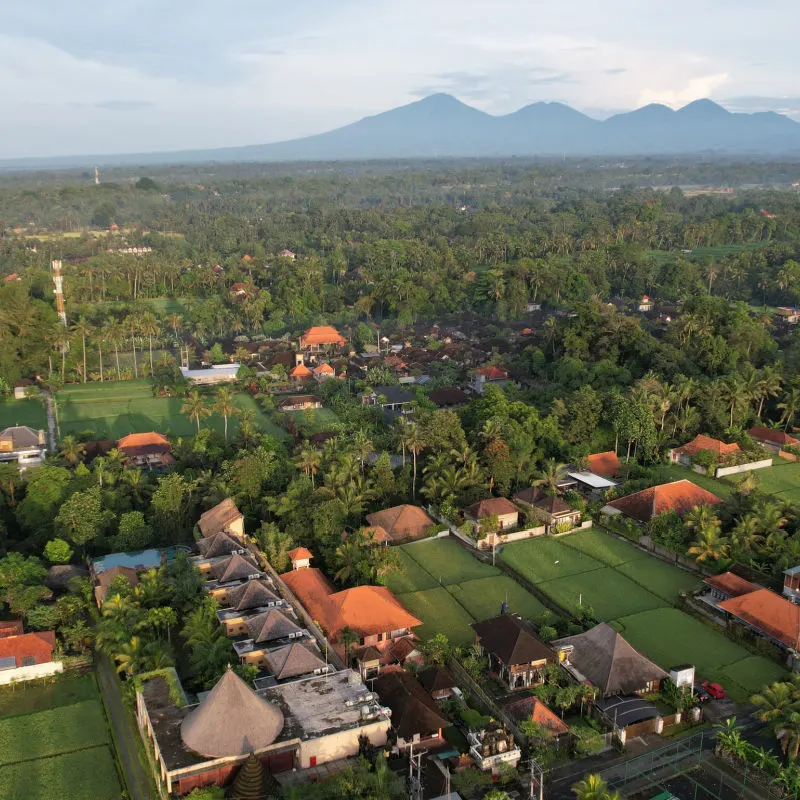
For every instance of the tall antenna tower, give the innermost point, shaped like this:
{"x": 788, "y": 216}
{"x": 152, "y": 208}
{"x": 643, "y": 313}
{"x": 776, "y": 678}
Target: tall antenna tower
{"x": 96, "y": 176}
{"x": 58, "y": 282}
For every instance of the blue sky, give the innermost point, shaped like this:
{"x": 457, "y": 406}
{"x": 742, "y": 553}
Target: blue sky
{"x": 143, "y": 75}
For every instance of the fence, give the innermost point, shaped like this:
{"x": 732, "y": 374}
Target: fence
{"x": 722, "y": 471}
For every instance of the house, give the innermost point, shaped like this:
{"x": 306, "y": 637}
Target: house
{"x": 235, "y": 567}
{"x": 438, "y": 682}
{"x": 301, "y": 373}
{"x": 603, "y": 658}
{"x": 769, "y": 615}
{"x": 287, "y": 254}
{"x": 392, "y": 399}
{"x": 242, "y": 291}
{"x": 242, "y": 601}
{"x": 684, "y": 455}
{"x": 791, "y": 316}
{"x": 791, "y": 584}
{"x": 448, "y": 398}
{"x": 372, "y": 614}
{"x": 506, "y": 512}
{"x": 25, "y": 388}
{"x": 589, "y": 484}
{"x": 645, "y": 304}
{"x": 24, "y": 656}
{"x": 377, "y": 535}
{"x": 300, "y": 557}
{"x": 516, "y": 655}
{"x": 295, "y": 660}
{"x": 402, "y": 522}
{"x": 321, "y": 338}
{"x": 556, "y": 514}
{"x": 224, "y": 517}
{"x": 26, "y": 446}
{"x": 606, "y": 465}
{"x": 496, "y": 376}
{"x": 210, "y": 376}
{"x": 534, "y": 710}
{"x": 416, "y": 718}
{"x": 218, "y": 544}
{"x": 769, "y": 438}
{"x": 323, "y": 372}
{"x": 533, "y": 306}
{"x": 150, "y": 451}
{"x": 727, "y": 585}
{"x": 299, "y": 402}
{"x": 678, "y": 496}
{"x": 493, "y": 748}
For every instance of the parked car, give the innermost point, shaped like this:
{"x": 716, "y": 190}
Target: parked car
{"x": 714, "y": 689}
{"x": 701, "y": 694}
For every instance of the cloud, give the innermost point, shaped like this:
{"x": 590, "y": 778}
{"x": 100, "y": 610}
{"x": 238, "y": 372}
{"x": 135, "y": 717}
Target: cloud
{"x": 124, "y": 105}
{"x": 615, "y": 71}
{"x": 694, "y": 89}
{"x": 790, "y": 106}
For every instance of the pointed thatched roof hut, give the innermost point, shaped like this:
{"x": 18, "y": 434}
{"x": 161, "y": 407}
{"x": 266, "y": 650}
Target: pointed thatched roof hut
{"x": 293, "y": 660}
{"x": 271, "y": 625}
{"x": 232, "y": 721}
{"x": 235, "y": 568}
{"x": 253, "y": 594}
{"x": 219, "y": 544}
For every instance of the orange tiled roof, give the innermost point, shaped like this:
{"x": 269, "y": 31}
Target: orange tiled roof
{"x": 299, "y": 553}
{"x": 143, "y": 440}
{"x": 679, "y": 496}
{"x": 377, "y": 534}
{"x": 702, "y": 442}
{"x": 367, "y": 610}
{"x": 401, "y": 522}
{"x": 772, "y": 435}
{"x": 300, "y": 371}
{"x": 768, "y": 612}
{"x": 605, "y": 464}
{"x": 38, "y": 645}
{"x": 731, "y": 584}
{"x": 534, "y": 709}
{"x": 322, "y": 334}
{"x": 494, "y": 505}
{"x": 492, "y": 373}
{"x": 11, "y": 627}
{"x": 324, "y": 369}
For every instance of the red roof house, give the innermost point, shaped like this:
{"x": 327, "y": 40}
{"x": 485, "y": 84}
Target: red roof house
{"x": 772, "y": 439}
{"x": 729, "y": 585}
{"x": 493, "y": 373}
{"x": 301, "y": 373}
{"x": 679, "y": 496}
{"x": 146, "y": 450}
{"x": 26, "y": 649}
{"x": 685, "y": 454}
{"x": 607, "y": 464}
{"x": 769, "y": 614}
{"x": 322, "y": 336}
{"x": 402, "y": 522}
{"x": 506, "y": 512}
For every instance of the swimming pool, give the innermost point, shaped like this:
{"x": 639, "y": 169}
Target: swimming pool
{"x": 140, "y": 559}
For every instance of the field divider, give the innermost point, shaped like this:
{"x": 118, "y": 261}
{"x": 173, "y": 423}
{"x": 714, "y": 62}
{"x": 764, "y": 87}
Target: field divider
{"x": 55, "y": 755}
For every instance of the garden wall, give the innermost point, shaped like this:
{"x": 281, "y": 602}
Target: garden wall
{"x": 722, "y": 471}
{"x": 29, "y": 673}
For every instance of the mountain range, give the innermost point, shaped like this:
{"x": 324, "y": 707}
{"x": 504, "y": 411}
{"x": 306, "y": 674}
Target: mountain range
{"x": 442, "y": 126}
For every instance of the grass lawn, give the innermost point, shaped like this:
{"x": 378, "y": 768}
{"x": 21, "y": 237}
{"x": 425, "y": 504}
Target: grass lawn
{"x": 603, "y": 546}
{"x": 781, "y": 480}
{"x": 31, "y": 696}
{"x": 409, "y": 577}
{"x": 323, "y": 419}
{"x": 28, "y": 412}
{"x": 70, "y": 776}
{"x": 721, "y": 488}
{"x": 609, "y": 593}
{"x": 484, "y": 597}
{"x": 660, "y": 578}
{"x": 113, "y": 409}
{"x": 544, "y": 559}
{"x": 448, "y": 562}
{"x": 440, "y": 613}
{"x": 753, "y": 673}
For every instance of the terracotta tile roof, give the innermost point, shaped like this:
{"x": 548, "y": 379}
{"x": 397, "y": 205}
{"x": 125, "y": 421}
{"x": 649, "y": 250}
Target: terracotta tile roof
{"x": 512, "y": 640}
{"x": 679, "y": 496}
{"x": 553, "y": 505}
{"x": 492, "y": 373}
{"x": 294, "y": 660}
{"x": 324, "y": 369}
{"x": 365, "y": 654}
{"x": 530, "y": 495}
{"x": 366, "y": 610}
{"x": 377, "y": 533}
{"x": 769, "y": 613}
{"x": 137, "y": 440}
{"x": 401, "y": 649}
{"x": 11, "y": 627}
{"x": 322, "y": 334}
{"x": 299, "y": 554}
{"x": 772, "y": 435}
{"x": 534, "y": 709}
{"x": 402, "y": 522}
{"x": 107, "y": 577}
{"x": 218, "y": 518}
{"x": 730, "y": 584}
{"x": 605, "y": 464}
{"x": 413, "y": 710}
{"x": 702, "y": 442}
{"x": 493, "y": 505}
{"x": 38, "y": 645}
{"x": 300, "y": 371}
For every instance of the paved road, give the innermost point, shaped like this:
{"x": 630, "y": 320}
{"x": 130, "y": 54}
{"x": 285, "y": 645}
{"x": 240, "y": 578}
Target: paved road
{"x": 124, "y": 732}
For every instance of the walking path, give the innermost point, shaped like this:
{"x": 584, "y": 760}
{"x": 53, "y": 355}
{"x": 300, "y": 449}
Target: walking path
{"x": 49, "y": 404}
{"x": 124, "y": 733}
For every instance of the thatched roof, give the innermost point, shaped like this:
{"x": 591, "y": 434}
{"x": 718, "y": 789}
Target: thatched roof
{"x": 293, "y": 660}
{"x": 235, "y": 568}
{"x": 607, "y": 661}
{"x": 512, "y": 640}
{"x": 253, "y": 594}
{"x": 216, "y": 519}
{"x": 271, "y": 625}
{"x": 232, "y": 721}
{"x": 219, "y": 544}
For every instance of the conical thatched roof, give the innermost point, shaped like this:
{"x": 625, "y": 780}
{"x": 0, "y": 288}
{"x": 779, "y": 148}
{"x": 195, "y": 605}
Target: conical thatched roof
{"x": 232, "y": 721}
{"x": 219, "y": 544}
{"x": 235, "y": 568}
{"x": 293, "y": 660}
{"x": 253, "y": 594}
{"x": 271, "y": 625}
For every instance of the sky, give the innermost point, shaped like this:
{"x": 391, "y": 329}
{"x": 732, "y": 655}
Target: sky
{"x": 152, "y": 75}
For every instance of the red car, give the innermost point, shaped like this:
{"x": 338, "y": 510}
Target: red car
{"x": 714, "y": 689}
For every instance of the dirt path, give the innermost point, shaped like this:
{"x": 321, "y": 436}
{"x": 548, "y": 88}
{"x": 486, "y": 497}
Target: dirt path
{"x": 49, "y": 407}
{"x": 124, "y": 732}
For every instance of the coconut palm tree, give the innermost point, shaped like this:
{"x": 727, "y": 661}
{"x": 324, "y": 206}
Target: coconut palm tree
{"x": 149, "y": 327}
{"x": 131, "y": 326}
{"x": 768, "y": 385}
{"x": 593, "y": 787}
{"x": 779, "y": 706}
{"x": 363, "y": 446}
{"x": 83, "y": 329}
{"x": 550, "y": 475}
{"x": 347, "y": 557}
{"x": 99, "y": 335}
{"x": 72, "y": 451}
{"x": 225, "y": 407}
{"x": 308, "y": 460}
{"x": 247, "y": 435}
{"x": 61, "y": 340}
{"x": 789, "y": 407}
{"x": 115, "y": 335}
{"x": 709, "y": 544}
{"x": 195, "y": 407}
{"x": 415, "y": 444}
{"x": 745, "y": 536}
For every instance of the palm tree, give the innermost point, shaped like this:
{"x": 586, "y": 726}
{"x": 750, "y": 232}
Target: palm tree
{"x": 593, "y": 787}
{"x": 72, "y": 451}
{"x": 132, "y": 330}
{"x": 768, "y": 385}
{"x": 225, "y": 407}
{"x": 308, "y": 460}
{"x": 745, "y": 536}
{"x": 415, "y": 444}
{"x": 247, "y": 428}
{"x": 347, "y": 637}
{"x": 136, "y": 482}
{"x": 99, "y": 335}
{"x": 733, "y": 393}
{"x": 709, "y": 544}
{"x": 83, "y": 329}
{"x": 115, "y": 335}
{"x": 550, "y": 475}
{"x": 195, "y": 407}
{"x": 61, "y": 340}
{"x": 348, "y": 555}
{"x": 790, "y": 406}
{"x": 780, "y": 707}
{"x": 363, "y": 446}
{"x": 148, "y": 325}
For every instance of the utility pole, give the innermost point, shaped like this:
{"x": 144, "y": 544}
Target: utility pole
{"x": 537, "y": 780}
{"x": 414, "y": 774}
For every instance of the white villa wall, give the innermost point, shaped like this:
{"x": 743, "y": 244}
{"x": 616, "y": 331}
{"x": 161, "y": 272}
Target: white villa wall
{"x": 721, "y": 471}
{"x": 29, "y": 673}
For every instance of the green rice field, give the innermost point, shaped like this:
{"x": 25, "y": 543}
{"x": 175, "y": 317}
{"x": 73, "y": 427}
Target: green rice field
{"x": 112, "y": 410}
{"x": 28, "y": 412}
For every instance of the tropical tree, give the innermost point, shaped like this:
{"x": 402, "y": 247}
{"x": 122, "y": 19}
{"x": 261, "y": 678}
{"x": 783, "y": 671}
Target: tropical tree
{"x": 116, "y": 335}
{"x": 709, "y": 544}
{"x": 225, "y": 407}
{"x": 83, "y": 329}
{"x": 550, "y": 475}
{"x": 415, "y": 444}
{"x": 149, "y": 327}
{"x": 194, "y": 407}
{"x": 593, "y": 787}
{"x": 72, "y": 451}
{"x": 789, "y": 407}
{"x": 767, "y": 385}
{"x": 779, "y": 706}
